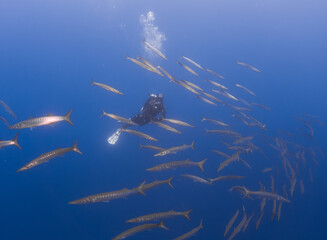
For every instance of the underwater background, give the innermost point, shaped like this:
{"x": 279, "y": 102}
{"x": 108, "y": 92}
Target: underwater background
{"x": 50, "y": 51}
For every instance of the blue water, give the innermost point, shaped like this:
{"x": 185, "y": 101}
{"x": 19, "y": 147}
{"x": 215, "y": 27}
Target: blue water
{"x": 49, "y": 52}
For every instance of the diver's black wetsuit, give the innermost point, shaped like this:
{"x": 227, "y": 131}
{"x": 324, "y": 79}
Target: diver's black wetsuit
{"x": 152, "y": 107}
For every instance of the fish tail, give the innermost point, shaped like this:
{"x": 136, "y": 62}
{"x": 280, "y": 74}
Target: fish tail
{"x": 246, "y": 192}
{"x": 203, "y": 119}
{"x": 169, "y": 182}
{"x": 162, "y": 225}
{"x": 200, "y": 164}
{"x": 75, "y": 149}
{"x": 141, "y": 146}
{"x": 103, "y": 113}
{"x": 140, "y": 189}
{"x": 207, "y": 131}
{"x": 201, "y": 224}
{"x": 192, "y": 145}
{"x": 186, "y": 214}
{"x": 67, "y": 117}
{"x": 92, "y": 82}
{"x": 16, "y": 142}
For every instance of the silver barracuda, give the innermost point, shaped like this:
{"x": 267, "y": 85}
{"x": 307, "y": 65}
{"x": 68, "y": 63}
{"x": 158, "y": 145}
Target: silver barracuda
{"x": 156, "y": 183}
{"x": 193, "y": 85}
{"x": 248, "y": 66}
{"x": 154, "y": 50}
{"x": 245, "y": 89}
{"x": 174, "y": 150}
{"x": 48, "y": 156}
{"x": 108, "y": 196}
{"x": 167, "y": 127}
{"x": 140, "y": 228}
{"x": 118, "y": 118}
{"x": 178, "y": 122}
{"x": 190, "y": 233}
{"x": 139, "y": 134}
{"x": 8, "y": 109}
{"x": 106, "y": 87}
{"x": 215, "y": 122}
{"x": 191, "y": 61}
{"x": 178, "y": 164}
{"x": 154, "y": 69}
{"x": 196, "y": 178}
{"x": 188, "y": 68}
{"x": 141, "y": 64}
{"x": 41, "y": 121}
{"x": 215, "y": 74}
{"x": 165, "y": 72}
{"x": 217, "y": 84}
{"x": 160, "y": 216}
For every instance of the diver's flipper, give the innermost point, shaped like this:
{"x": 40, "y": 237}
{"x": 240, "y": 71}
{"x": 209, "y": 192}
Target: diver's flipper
{"x": 114, "y": 137}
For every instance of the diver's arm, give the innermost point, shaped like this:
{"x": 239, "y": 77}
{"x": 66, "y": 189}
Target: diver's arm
{"x": 162, "y": 115}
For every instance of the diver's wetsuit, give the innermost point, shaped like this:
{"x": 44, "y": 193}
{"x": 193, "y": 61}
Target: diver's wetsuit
{"x": 152, "y": 107}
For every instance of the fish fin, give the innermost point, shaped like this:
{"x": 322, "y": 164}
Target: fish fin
{"x": 186, "y": 214}
{"x": 31, "y": 117}
{"x": 140, "y": 189}
{"x": 75, "y": 149}
{"x": 92, "y": 83}
{"x": 16, "y": 142}
{"x": 246, "y": 192}
{"x": 49, "y": 115}
{"x": 201, "y": 224}
{"x": 169, "y": 182}
{"x": 192, "y": 145}
{"x": 162, "y": 225}
{"x": 200, "y": 164}
{"x": 67, "y": 117}
{"x": 187, "y": 160}
{"x": 103, "y": 113}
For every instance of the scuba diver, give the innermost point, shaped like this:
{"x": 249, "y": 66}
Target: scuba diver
{"x": 152, "y": 107}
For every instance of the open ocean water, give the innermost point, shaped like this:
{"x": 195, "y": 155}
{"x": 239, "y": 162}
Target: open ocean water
{"x": 50, "y": 51}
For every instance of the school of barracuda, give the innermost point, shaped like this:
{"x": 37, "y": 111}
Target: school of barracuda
{"x": 294, "y": 166}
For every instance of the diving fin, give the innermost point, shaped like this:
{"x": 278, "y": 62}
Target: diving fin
{"x": 114, "y": 137}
